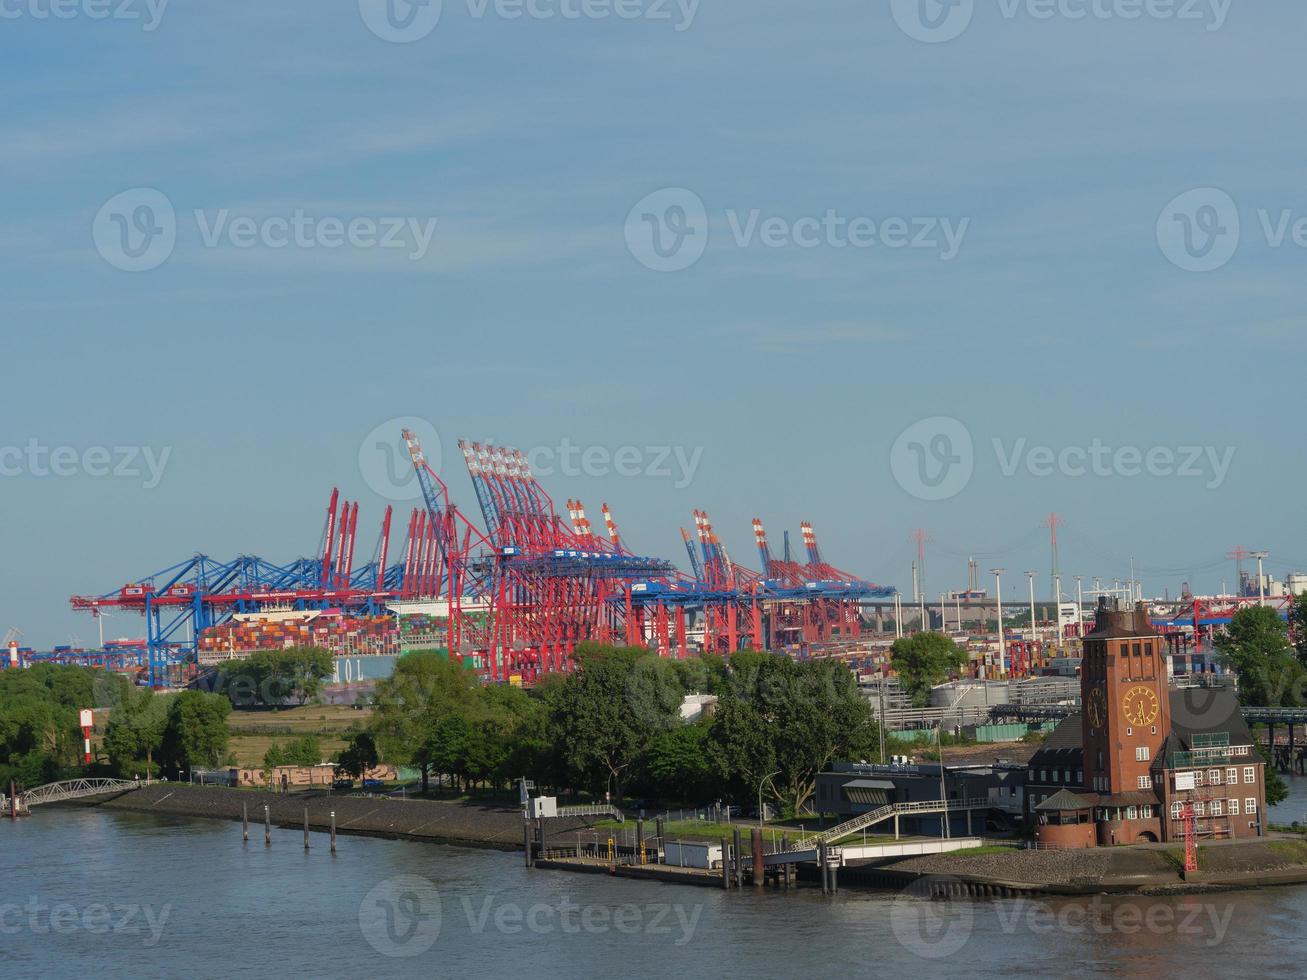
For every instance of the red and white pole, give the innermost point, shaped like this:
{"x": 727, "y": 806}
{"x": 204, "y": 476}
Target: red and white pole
{"x": 88, "y": 722}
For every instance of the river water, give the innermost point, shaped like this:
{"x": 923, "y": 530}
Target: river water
{"x": 90, "y": 893}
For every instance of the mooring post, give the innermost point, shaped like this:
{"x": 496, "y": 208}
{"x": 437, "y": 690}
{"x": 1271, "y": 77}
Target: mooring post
{"x": 739, "y": 859}
{"x": 639, "y": 838}
{"x": 13, "y": 800}
{"x": 834, "y": 867}
{"x": 658, "y": 831}
{"x": 726, "y": 864}
{"x": 785, "y": 868}
{"x": 333, "y": 831}
{"x": 544, "y": 838}
{"x": 759, "y": 862}
{"x": 245, "y": 822}
{"x": 306, "y": 828}
{"x": 267, "y": 827}
{"x": 527, "y": 843}
{"x": 821, "y": 866}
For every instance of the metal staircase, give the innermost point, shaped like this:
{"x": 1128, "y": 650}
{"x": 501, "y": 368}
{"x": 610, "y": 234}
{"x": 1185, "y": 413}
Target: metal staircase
{"x": 881, "y": 814}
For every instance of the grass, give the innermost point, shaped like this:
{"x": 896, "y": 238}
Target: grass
{"x": 254, "y": 732}
{"x": 1295, "y": 850}
{"x": 983, "y": 849}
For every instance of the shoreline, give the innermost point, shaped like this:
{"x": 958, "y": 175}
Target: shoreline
{"x": 1114, "y": 871}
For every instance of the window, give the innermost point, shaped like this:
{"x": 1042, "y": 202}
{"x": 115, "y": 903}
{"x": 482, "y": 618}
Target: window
{"x": 1175, "y": 810}
{"x": 1248, "y": 776}
{"x": 1131, "y": 813}
{"x": 1032, "y": 775}
{"x": 1200, "y": 808}
{"x": 1080, "y": 777}
{"x": 1214, "y": 777}
{"x": 1129, "y": 731}
{"x": 1198, "y": 777}
{"x": 1250, "y": 805}
{"x": 1154, "y": 729}
{"x": 1234, "y": 808}
{"x": 1043, "y": 775}
{"x": 1217, "y": 808}
{"x": 1142, "y": 783}
{"x": 1232, "y": 775}
{"x": 1142, "y": 754}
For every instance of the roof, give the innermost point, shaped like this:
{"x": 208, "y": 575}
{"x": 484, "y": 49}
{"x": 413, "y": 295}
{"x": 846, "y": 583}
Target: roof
{"x": 1064, "y": 799}
{"x": 1203, "y": 710}
{"x": 1062, "y": 747}
{"x": 1134, "y": 797}
{"x": 869, "y": 784}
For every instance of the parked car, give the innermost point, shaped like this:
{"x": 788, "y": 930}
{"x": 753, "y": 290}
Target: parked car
{"x": 343, "y": 784}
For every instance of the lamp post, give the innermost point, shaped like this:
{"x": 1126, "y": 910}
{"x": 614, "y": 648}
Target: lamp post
{"x": 1261, "y": 581}
{"x": 1002, "y": 646}
{"x": 1080, "y": 605}
{"x": 1034, "y": 629}
{"x": 760, "y": 786}
{"x": 943, "y": 789}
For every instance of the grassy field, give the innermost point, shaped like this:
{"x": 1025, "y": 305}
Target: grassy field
{"x": 254, "y": 732}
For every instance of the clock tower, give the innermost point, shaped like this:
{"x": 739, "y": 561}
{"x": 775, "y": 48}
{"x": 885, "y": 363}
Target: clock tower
{"x": 1126, "y": 712}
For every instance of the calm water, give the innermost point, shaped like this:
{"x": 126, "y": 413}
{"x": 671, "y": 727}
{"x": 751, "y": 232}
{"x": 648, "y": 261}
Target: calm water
{"x": 90, "y": 893}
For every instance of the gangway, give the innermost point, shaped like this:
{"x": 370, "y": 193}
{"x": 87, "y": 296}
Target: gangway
{"x": 881, "y": 814}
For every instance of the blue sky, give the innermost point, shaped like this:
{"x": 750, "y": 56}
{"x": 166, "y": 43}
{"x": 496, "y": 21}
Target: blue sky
{"x": 788, "y": 363}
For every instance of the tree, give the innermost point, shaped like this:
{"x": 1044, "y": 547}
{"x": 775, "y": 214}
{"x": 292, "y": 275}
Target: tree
{"x": 304, "y": 751}
{"x": 609, "y": 709}
{"x": 924, "y": 660}
{"x": 425, "y": 689}
{"x": 270, "y": 678}
{"x": 40, "y": 740}
{"x": 678, "y": 764}
{"x": 359, "y": 757}
{"x": 1299, "y": 614}
{"x": 791, "y": 719}
{"x": 1277, "y": 790}
{"x": 195, "y": 733}
{"x": 135, "y": 731}
{"x": 1256, "y": 647}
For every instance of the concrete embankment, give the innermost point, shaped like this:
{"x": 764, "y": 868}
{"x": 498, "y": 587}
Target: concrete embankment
{"x": 471, "y": 824}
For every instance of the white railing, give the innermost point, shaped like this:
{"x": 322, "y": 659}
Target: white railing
{"x": 74, "y": 789}
{"x": 884, "y": 813}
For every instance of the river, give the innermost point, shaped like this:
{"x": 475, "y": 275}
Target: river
{"x": 92, "y": 893}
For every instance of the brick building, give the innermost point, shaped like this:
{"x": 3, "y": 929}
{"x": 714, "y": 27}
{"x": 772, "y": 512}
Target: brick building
{"x": 1143, "y": 750}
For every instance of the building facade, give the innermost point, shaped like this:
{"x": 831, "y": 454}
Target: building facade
{"x": 1145, "y": 751}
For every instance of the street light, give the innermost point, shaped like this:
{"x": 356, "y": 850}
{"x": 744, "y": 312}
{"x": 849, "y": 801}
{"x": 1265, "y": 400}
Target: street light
{"x": 1034, "y": 629}
{"x": 1002, "y": 647}
{"x": 760, "y": 785}
{"x": 1261, "y": 582}
{"x": 1080, "y": 605}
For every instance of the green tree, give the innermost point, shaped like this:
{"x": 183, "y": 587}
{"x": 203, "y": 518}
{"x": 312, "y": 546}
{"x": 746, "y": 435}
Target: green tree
{"x": 679, "y": 765}
{"x": 271, "y": 678}
{"x": 40, "y": 738}
{"x": 195, "y": 733}
{"x": 609, "y": 709}
{"x": 425, "y": 689}
{"x": 1277, "y": 790}
{"x": 1256, "y": 646}
{"x": 1299, "y": 614}
{"x": 303, "y": 751}
{"x": 359, "y": 757}
{"x": 924, "y": 660}
{"x": 135, "y": 732}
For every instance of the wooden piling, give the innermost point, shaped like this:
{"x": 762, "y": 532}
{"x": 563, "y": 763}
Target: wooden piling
{"x": 785, "y": 868}
{"x": 267, "y": 827}
{"x": 759, "y": 863}
{"x": 739, "y": 860}
{"x": 306, "y": 828}
{"x": 527, "y": 843}
{"x": 333, "y": 831}
{"x": 821, "y": 867}
{"x": 245, "y": 822}
{"x": 726, "y": 864}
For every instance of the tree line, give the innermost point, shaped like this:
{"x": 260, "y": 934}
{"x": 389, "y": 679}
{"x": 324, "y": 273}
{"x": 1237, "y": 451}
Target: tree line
{"x": 613, "y": 727}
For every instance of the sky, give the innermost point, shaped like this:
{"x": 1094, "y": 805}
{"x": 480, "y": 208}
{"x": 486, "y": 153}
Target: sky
{"x": 878, "y": 265}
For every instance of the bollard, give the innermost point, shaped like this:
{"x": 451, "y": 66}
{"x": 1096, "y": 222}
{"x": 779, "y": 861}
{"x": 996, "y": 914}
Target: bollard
{"x": 738, "y": 852}
{"x": 306, "y": 828}
{"x": 526, "y": 841}
{"x": 267, "y": 827}
{"x": 333, "y": 831}
{"x": 658, "y": 832}
{"x": 785, "y": 868}
{"x": 821, "y": 866}
{"x": 726, "y": 864}
{"x": 759, "y": 863}
{"x": 245, "y": 822}
{"x": 639, "y": 838}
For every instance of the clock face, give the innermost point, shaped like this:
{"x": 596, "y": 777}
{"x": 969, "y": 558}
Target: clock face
{"x": 1140, "y": 705}
{"x": 1097, "y": 708}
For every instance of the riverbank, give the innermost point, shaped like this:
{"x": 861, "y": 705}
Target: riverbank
{"x": 434, "y": 821}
